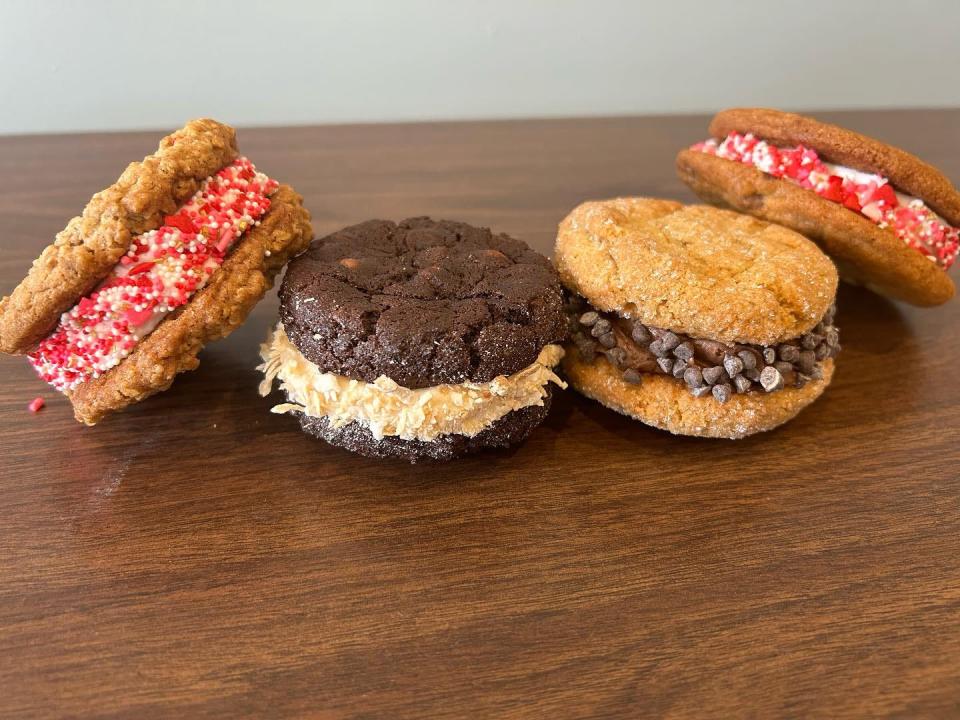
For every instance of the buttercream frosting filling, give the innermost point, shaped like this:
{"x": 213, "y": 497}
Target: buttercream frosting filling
{"x": 386, "y": 408}
{"x": 871, "y": 195}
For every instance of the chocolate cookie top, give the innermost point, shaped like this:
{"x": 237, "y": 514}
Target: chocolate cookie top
{"x": 838, "y": 145}
{"x": 423, "y": 302}
{"x": 708, "y": 273}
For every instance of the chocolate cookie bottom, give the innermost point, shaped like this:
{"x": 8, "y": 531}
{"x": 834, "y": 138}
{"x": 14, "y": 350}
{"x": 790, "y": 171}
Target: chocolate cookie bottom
{"x": 511, "y": 429}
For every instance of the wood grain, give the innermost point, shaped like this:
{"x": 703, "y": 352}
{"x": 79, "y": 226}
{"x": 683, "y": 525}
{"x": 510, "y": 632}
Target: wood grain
{"x": 199, "y": 557}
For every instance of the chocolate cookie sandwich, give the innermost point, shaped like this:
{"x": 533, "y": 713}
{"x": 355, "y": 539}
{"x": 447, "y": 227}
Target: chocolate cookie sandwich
{"x": 889, "y": 220}
{"x": 174, "y": 254}
{"x": 695, "y": 320}
{"x": 423, "y": 339}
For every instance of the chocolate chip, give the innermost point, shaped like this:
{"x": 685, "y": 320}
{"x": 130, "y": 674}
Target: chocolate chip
{"x": 785, "y": 368}
{"x": 789, "y": 353}
{"x": 807, "y": 361}
{"x": 600, "y": 327}
{"x": 714, "y": 374}
{"x": 693, "y": 377}
{"x": 669, "y": 340}
{"x": 733, "y": 365}
{"x": 800, "y": 381}
{"x": 640, "y": 334}
{"x": 665, "y": 364}
{"x": 618, "y": 356}
{"x": 657, "y": 348}
{"x": 584, "y": 343}
{"x": 722, "y": 392}
{"x": 817, "y": 373}
{"x": 833, "y": 337}
{"x": 771, "y": 379}
{"x": 822, "y": 352}
{"x": 751, "y": 374}
{"x": 589, "y": 318}
{"x": 701, "y": 391}
{"x": 748, "y": 359}
{"x": 742, "y": 383}
{"x": 810, "y": 341}
{"x": 608, "y": 339}
{"x": 684, "y": 351}
{"x": 679, "y": 367}
{"x": 631, "y": 376}
{"x": 769, "y": 356}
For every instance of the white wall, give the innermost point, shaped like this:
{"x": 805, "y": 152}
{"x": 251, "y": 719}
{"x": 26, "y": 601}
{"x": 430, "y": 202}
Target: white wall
{"x": 107, "y": 64}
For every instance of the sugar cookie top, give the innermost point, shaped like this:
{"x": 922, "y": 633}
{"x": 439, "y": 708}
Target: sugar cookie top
{"x": 422, "y": 302}
{"x": 699, "y": 270}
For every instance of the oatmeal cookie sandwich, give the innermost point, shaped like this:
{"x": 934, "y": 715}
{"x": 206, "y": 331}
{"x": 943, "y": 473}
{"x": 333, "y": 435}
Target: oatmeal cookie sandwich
{"x": 174, "y": 254}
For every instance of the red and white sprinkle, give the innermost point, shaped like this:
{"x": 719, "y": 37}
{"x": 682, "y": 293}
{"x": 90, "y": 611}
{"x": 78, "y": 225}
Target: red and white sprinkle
{"x": 160, "y": 272}
{"x": 36, "y": 405}
{"x": 870, "y": 195}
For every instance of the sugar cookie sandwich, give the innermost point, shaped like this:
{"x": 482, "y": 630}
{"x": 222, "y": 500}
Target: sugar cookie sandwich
{"x": 889, "y": 220}
{"x": 174, "y": 254}
{"x": 695, "y": 320}
{"x": 423, "y": 339}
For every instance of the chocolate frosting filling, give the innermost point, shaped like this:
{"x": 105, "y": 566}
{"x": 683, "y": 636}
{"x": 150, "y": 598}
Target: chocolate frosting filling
{"x": 707, "y": 367}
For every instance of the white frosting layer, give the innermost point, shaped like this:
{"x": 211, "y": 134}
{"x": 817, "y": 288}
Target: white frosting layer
{"x": 863, "y": 178}
{"x": 387, "y": 408}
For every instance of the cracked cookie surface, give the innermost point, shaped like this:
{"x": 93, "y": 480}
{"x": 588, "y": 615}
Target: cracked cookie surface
{"x": 422, "y": 302}
{"x": 696, "y": 269}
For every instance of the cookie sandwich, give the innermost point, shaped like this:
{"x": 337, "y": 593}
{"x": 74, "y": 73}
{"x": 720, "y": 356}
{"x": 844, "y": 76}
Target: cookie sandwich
{"x": 423, "y": 339}
{"x": 693, "y": 319}
{"x": 889, "y": 220}
{"x": 172, "y": 255}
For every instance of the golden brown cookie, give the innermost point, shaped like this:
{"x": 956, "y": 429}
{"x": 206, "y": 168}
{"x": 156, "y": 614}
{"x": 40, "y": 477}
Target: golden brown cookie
{"x": 663, "y": 403}
{"x": 92, "y": 243}
{"x": 838, "y": 145}
{"x": 695, "y": 269}
{"x": 864, "y": 253}
{"x": 176, "y": 253}
{"x": 214, "y": 312}
{"x": 867, "y": 247}
{"x": 694, "y": 319}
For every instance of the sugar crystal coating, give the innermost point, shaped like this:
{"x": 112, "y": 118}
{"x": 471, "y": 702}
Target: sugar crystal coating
{"x": 160, "y": 272}
{"x": 870, "y": 195}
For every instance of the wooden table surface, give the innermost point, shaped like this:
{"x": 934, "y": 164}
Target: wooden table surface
{"x": 197, "y": 556}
